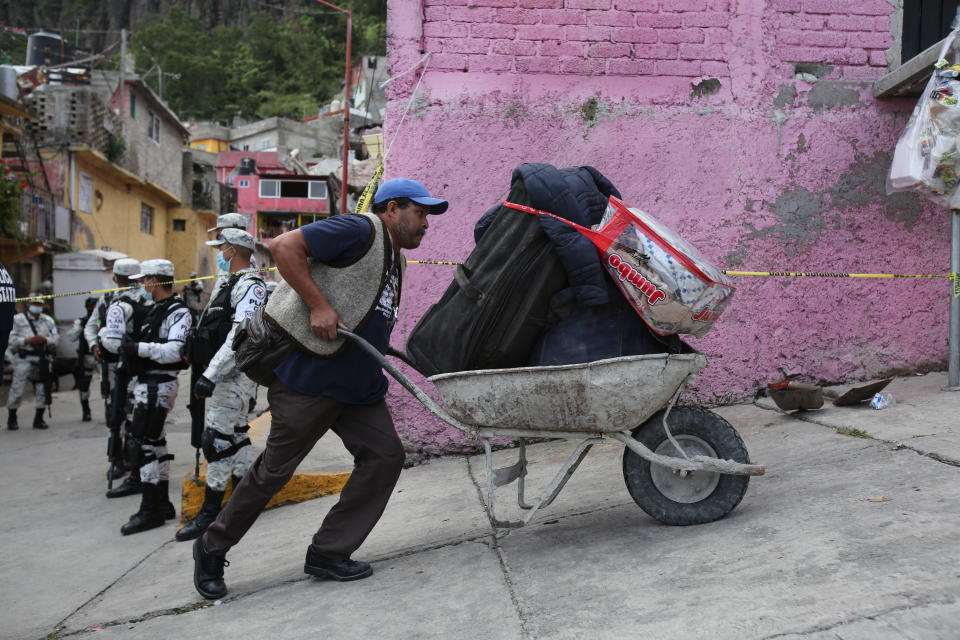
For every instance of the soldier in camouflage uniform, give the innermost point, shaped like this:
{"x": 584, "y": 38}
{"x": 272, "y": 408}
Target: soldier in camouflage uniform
{"x": 122, "y": 270}
{"x": 124, "y": 316}
{"x": 33, "y": 340}
{"x": 225, "y": 444}
{"x": 155, "y": 356}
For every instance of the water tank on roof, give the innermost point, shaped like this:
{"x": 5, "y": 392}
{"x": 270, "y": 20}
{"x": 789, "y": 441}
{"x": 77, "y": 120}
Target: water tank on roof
{"x": 248, "y": 166}
{"x": 46, "y": 49}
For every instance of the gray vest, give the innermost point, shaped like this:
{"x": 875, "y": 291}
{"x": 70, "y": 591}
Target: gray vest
{"x": 353, "y": 288}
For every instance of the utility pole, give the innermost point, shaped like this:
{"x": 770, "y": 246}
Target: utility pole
{"x": 953, "y": 380}
{"x": 346, "y": 104}
{"x": 123, "y": 79}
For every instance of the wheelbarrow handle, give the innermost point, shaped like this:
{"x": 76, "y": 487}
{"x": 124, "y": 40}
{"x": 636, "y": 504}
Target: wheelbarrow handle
{"x": 406, "y": 382}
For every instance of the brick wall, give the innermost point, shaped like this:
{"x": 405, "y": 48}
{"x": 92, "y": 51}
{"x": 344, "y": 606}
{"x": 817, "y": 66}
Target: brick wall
{"x": 850, "y": 35}
{"x": 594, "y": 37}
{"x": 647, "y": 37}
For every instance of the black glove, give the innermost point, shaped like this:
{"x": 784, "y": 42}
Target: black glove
{"x": 130, "y": 349}
{"x": 203, "y": 387}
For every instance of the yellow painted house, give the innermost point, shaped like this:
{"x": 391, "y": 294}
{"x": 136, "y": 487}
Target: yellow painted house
{"x": 209, "y": 136}
{"x": 117, "y": 210}
{"x": 210, "y": 145}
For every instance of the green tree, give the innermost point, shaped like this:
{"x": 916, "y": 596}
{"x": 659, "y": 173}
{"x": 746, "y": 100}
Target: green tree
{"x": 284, "y": 62}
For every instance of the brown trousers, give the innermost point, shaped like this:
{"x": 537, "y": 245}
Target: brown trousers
{"x": 298, "y": 422}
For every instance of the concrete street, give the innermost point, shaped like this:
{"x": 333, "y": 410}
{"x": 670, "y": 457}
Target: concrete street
{"x": 851, "y": 534}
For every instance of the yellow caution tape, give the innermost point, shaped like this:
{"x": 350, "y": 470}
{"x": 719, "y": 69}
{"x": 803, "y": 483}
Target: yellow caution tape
{"x": 953, "y": 277}
{"x": 363, "y": 202}
{"x": 801, "y": 274}
{"x": 449, "y": 264}
{"x": 51, "y": 296}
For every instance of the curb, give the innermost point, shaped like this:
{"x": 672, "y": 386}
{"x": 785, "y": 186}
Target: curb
{"x": 300, "y": 488}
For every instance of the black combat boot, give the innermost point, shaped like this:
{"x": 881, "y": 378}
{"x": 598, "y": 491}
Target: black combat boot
{"x": 166, "y": 507}
{"x": 208, "y": 572}
{"x": 38, "y": 422}
{"x": 12, "y": 420}
{"x": 208, "y": 513}
{"x": 131, "y": 486}
{"x": 85, "y": 404}
{"x": 149, "y": 516}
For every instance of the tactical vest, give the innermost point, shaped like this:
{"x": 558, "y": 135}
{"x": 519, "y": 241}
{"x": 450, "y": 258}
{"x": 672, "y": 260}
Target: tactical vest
{"x": 215, "y": 323}
{"x": 149, "y": 331}
{"x": 140, "y": 311}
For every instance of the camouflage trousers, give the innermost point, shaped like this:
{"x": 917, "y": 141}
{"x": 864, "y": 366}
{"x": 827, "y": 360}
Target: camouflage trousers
{"x": 155, "y": 465}
{"x": 111, "y": 380}
{"x": 227, "y": 411}
{"x": 85, "y": 368}
{"x": 25, "y": 370}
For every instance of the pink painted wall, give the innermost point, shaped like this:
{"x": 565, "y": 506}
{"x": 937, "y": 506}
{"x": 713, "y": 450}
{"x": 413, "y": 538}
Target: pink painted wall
{"x": 768, "y": 172}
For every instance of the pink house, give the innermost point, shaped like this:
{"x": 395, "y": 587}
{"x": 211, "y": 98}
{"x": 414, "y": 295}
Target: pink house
{"x": 749, "y": 126}
{"x": 273, "y": 198}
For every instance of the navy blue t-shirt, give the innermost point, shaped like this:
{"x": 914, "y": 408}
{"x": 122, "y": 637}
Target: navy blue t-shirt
{"x": 351, "y": 376}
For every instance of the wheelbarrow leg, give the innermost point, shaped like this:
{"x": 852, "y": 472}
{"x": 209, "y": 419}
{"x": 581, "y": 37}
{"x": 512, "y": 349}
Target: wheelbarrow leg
{"x": 499, "y": 477}
{"x": 521, "y": 501}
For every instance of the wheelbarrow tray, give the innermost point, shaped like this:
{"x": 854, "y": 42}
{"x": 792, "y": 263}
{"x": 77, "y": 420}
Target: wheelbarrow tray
{"x": 603, "y": 396}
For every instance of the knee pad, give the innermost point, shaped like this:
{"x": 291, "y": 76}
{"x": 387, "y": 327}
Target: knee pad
{"x": 155, "y": 422}
{"x": 207, "y": 445}
{"x": 211, "y": 452}
{"x": 133, "y": 456}
{"x": 137, "y": 426}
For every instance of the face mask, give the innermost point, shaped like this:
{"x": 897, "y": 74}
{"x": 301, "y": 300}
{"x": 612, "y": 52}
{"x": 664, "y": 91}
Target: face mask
{"x": 35, "y": 309}
{"x": 222, "y": 263}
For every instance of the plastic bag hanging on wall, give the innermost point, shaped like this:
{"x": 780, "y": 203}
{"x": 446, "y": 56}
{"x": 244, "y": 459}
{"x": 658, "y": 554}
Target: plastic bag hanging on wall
{"x": 927, "y": 156}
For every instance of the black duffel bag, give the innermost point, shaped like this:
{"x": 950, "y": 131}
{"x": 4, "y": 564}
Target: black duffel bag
{"x": 494, "y": 311}
{"x": 259, "y": 346}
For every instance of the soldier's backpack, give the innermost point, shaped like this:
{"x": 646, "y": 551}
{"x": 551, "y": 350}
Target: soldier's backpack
{"x": 498, "y": 304}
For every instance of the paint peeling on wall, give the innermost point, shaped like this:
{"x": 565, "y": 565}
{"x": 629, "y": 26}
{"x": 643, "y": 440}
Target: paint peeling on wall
{"x": 773, "y": 160}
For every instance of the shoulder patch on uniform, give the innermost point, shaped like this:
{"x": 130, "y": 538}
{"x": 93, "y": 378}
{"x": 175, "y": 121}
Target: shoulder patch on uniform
{"x": 259, "y": 291}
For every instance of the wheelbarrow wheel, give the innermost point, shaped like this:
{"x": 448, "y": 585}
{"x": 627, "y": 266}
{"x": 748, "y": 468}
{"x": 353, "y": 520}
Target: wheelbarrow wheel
{"x": 683, "y": 498}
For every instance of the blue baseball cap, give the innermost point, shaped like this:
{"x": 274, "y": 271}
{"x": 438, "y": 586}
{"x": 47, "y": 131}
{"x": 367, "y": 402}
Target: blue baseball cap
{"x": 404, "y": 188}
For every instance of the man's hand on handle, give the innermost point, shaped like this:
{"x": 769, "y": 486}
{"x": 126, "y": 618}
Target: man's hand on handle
{"x": 324, "y": 321}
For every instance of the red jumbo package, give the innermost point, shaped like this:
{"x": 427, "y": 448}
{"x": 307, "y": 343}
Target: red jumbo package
{"x": 665, "y": 279}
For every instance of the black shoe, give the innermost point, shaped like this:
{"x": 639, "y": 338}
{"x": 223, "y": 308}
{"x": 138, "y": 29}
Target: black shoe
{"x": 208, "y": 572}
{"x": 38, "y": 422}
{"x": 208, "y": 513}
{"x": 342, "y": 570}
{"x": 131, "y": 486}
{"x": 149, "y": 516}
{"x": 12, "y": 420}
{"x": 86, "y": 411}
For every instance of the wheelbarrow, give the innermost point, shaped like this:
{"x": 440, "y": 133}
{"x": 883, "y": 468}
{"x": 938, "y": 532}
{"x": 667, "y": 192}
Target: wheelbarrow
{"x": 682, "y": 465}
